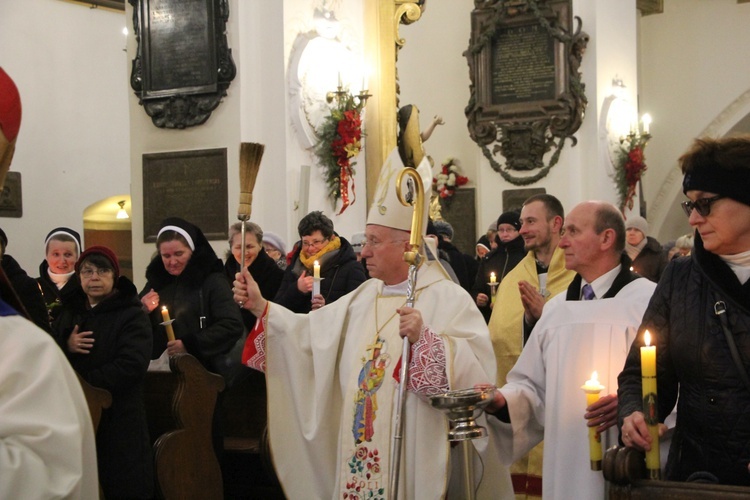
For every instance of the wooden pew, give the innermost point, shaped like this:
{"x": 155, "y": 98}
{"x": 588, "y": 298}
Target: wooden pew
{"x": 180, "y": 407}
{"x": 98, "y": 400}
{"x": 625, "y": 472}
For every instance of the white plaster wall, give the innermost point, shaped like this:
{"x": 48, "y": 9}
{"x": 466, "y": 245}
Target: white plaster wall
{"x": 694, "y": 79}
{"x": 73, "y": 147}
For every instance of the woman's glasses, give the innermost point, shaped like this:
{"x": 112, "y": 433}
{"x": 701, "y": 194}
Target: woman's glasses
{"x": 703, "y": 205}
{"x": 89, "y": 272}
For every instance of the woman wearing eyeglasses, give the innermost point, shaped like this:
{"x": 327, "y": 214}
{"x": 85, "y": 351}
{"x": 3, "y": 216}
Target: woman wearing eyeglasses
{"x": 700, "y": 319}
{"x": 339, "y": 269}
{"x": 107, "y": 338}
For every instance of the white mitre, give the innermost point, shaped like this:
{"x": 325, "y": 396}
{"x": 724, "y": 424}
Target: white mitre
{"x": 386, "y": 209}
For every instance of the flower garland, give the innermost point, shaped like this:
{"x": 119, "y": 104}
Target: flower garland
{"x": 630, "y": 167}
{"x": 448, "y": 179}
{"x": 339, "y": 141}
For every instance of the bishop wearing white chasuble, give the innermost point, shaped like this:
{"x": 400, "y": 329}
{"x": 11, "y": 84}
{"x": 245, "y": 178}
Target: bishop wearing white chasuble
{"x": 332, "y": 374}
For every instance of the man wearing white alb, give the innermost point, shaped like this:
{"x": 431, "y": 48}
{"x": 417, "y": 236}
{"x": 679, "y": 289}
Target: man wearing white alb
{"x": 588, "y": 329}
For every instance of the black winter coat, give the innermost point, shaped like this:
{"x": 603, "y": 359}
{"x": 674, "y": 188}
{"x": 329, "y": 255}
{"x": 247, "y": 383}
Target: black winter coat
{"x": 651, "y": 260}
{"x": 339, "y": 269}
{"x": 462, "y": 264}
{"x": 500, "y": 261}
{"x": 117, "y": 362}
{"x": 53, "y": 297}
{"x": 201, "y": 290}
{"x": 265, "y": 271}
{"x": 712, "y": 433}
{"x": 28, "y": 292}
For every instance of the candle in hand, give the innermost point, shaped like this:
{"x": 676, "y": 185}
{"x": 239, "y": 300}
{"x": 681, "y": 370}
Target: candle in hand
{"x": 168, "y": 323}
{"x": 650, "y": 410}
{"x": 316, "y": 279}
{"x": 493, "y": 288}
{"x": 592, "y": 388}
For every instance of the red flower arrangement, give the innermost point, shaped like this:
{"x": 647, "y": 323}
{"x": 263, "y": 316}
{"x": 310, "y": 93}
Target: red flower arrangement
{"x": 339, "y": 142}
{"x": 630, "y": 167}
{"x": 448, "y": 179}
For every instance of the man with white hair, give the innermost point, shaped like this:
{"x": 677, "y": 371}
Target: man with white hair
{"x": 332, "y": 374}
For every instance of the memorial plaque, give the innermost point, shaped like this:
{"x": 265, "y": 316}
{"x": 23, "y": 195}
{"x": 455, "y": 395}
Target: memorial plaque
{"x": 183, "y": 64}
{"x": 527, "y": 96}
{"x": 187, "y": 184}
{"x": 513, "y": 198}
{"x": 11, "y": 199}
{"x": 179, "y": 50}
{"x": 461, "y": 213}
{"x": 523, "y": 65}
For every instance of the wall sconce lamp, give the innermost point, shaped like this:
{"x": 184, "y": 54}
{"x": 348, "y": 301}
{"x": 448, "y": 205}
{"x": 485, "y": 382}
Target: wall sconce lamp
{"x": 122, "y": 214}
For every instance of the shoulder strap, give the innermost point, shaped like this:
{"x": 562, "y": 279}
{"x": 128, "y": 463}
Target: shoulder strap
{"x": 720, "y": 309}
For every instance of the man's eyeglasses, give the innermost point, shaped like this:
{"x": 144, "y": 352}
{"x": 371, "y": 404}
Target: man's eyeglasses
{"x": 88, "y": 273}
{"x": 313, "y": 243}
{"x": 702, "y": 205}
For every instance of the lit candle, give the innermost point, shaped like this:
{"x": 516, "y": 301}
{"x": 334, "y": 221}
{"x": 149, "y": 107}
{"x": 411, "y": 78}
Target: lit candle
{"x": 646, "y": 119}
{"x": 493, "y": 287}
{"x": 493, "y": 278}
{"x": 650, "y": 410}
{"x": 167, "y": 323}
{"x": 316, "y": 279}
{"x": 340, "y": 79}
{"x": 592, "y": 388}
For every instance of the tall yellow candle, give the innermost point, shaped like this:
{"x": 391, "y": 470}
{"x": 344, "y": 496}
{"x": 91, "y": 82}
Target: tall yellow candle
{"x": 167, "y": 323}
{"x": 592, "y": 388}
{"x": 650, "y": 409}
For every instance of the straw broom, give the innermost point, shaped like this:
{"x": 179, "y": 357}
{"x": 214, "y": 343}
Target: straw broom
{"x": 250, "y": 156}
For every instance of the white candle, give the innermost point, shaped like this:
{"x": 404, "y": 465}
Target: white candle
{"x": 646, "y": 119}
{"x": 316, "y": 279}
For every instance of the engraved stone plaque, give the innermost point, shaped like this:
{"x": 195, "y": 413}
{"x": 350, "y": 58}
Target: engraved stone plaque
{"x": 187, "y": 184}
{"x": 11, "y": 199}
{"x": 461, "y": 212}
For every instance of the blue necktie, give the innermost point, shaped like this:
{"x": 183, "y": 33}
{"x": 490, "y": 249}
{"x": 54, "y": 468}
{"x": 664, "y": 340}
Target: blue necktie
{"x": 588, "y": 292}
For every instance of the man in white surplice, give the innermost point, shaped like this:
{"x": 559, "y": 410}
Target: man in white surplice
{"x": 577, "y": 334}
{"x": 331, "y": 374}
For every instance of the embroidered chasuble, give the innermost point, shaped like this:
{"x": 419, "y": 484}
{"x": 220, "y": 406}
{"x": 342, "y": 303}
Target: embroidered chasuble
{"x": 332, "y": 392}
{"x": 506, "y": 330}
{"x": 545, "y": 400}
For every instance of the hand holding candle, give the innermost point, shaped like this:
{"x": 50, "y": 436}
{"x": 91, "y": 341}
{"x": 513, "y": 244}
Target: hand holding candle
{"x": 592, "y": 388}
{"x": 316, "y": 279}
{"x": 650, "y": 409}
{"x": 167, "y": 323}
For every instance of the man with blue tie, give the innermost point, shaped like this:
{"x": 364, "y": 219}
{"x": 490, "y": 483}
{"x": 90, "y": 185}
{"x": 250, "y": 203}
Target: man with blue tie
{"x": 590, "y": 328}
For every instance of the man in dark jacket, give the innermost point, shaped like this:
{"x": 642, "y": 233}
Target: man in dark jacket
{"x": 508, "y": 252}
{"x": 649, "y": 260}
{"x": 340, "y": 272}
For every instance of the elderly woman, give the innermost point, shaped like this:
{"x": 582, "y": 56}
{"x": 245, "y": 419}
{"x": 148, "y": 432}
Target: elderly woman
{"x": 262, "y": 267}
{"x": 57, "y": 278}
{"x": 700, "y": 319}
{"x": 107, "y": 339}
{"x": 339, "y": 269}
{"x": 187, "y": 278}
{"x": 275, "y": 248}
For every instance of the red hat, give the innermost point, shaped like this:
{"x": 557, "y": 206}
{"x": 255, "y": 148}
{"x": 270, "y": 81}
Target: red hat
{"x": 10, "y": 107}
{"x": 101, "y": 250}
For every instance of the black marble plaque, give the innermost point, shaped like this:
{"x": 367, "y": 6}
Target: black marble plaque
{"x": 461, "y": 213}
{"x": 187, "y": 184}
{"x": 513, "y": 198}
{"x": 11, "y": 199}
{"x": 179, "y": 47}
{"x": 523, "y": 65}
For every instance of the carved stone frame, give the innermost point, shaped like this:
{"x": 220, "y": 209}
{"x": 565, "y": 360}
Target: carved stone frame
{"x": 525, "y": 131}
{"x": 190, "y": 102}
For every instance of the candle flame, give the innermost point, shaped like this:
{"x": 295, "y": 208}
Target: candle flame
{"x": 163, "y": 308}
{"x": 594, "y": 377}
{"x": 647, "y": 338}
{"x": 315, "y": 263}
